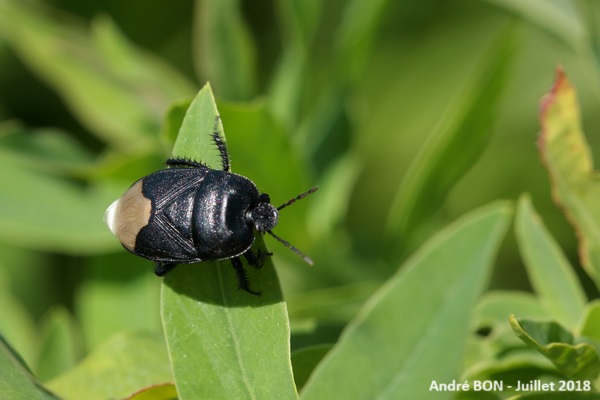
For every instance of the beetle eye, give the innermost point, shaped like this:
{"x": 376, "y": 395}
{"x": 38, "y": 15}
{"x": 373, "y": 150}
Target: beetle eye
{"x": 263, "y": 217}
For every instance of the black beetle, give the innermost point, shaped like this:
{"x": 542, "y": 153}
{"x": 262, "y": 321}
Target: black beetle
{"x": 190, "y": 212}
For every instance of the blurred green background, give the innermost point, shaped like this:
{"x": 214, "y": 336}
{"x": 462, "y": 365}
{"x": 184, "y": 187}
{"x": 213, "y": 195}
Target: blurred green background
{"x": 355, "y": 91}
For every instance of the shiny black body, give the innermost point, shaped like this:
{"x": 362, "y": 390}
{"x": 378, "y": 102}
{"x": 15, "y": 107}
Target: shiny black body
{"x": 198, "y": 214}
{"x": 189, "y": 213}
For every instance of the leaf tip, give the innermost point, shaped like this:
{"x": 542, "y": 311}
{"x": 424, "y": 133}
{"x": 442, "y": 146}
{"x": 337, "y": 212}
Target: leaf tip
{"x": 560, "y": 86}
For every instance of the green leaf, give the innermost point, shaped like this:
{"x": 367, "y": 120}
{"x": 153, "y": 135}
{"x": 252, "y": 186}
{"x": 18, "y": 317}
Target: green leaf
{"x": 305, "y": 360}
{"x": 166, "y": 391}
{"x": 298, "y": 22}
{"x": 356, "y": 35}
{"x": 423, "y": 311}
{"x": 452, "y": 148}
{"x": 495, "y": 307}
{"x": 16, "y": 324}
{"x": 16, "y": 381}
{"x": 327, "y": 212}
{"x": 60, "y": 344}
{"x": 116, "y": 91}
{"x": 567, "y": 156}
{"x": 47, "y": 150}
{"x": 590, "y": 325}
{"x": 560, "y": 19}
{"x": 224, "y": 49}
{"x": 550, "y": 273}
{"x": 339, "y": 303}
{"x": 512, "y": 369}
{"x": 111, "y": 282}
{"x": 575, "y": 361}
{"x": 121, "y": 366}
{"x": 46, "y": 213}
{"x": 174, "y": 119}
{"x": 240, "y": 341}
{"x": 201, "y": 120}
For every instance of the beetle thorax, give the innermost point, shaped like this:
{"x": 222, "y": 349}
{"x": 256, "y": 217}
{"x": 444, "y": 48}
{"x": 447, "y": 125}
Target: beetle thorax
{"x": 263, "y": 217}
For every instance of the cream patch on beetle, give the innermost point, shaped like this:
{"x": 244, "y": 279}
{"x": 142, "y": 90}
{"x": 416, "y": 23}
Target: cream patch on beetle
{"x": 126, "y": 216}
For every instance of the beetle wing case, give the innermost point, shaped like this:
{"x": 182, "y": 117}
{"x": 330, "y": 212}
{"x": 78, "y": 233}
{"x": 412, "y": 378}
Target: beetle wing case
{"x": 168, "y": 235}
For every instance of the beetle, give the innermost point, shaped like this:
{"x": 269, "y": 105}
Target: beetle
{"x": 189, "y": 212}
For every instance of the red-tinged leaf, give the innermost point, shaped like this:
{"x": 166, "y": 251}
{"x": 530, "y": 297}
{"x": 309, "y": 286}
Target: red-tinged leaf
{"x": 166, "y": 391}
{"x": 567, "y": 156}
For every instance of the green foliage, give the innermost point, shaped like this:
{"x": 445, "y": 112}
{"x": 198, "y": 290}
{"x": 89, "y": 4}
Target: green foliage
{"x": 404, "y": 342}
{"x": 409, "y": 118}
{"x": 578, "y": 362}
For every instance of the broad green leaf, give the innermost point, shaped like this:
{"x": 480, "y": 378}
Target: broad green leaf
{"x": 48, "y": 150}
{"x": 512, "y": 368}
{"x": 452, "y": 148}
{"x": 16, "y": 381}
{"x": 392, "y": 348}
{"x": 47, "y": 213}
{"x": 495, "y": 307}
{"x": 567, "y": 156}
{"x": 16, "y": 324}
{"x": 339, "y": 303}
{"x": 224, "y": 49}
{"x": 356, "y": 34}
{"x": 590, "y": 323}
{"x": 223, "y": 342}
{"x": 565, "y": 21}
{"x": 115, "y": 90}
{"x": 327, "y": 211}
{"x": 305, "y": 360}
{"x": 60, "y": 344}
{"x": 560, "y": 19}
{"x": 115, "y": 284}
{"x": 195, "y": 139}
{"x": 155, "y": 83}
{"x": 121, "y": 366}
{"x": 298, "y": 22}
{"x": 174, "y": 119}
{"x": 575, "y": 361}
{"x": 550, "y": 273}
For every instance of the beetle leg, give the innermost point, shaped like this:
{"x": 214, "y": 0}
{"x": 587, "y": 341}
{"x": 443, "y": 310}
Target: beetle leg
{"x": 222, "y": 150}
{"x": 257, "y": 260}
{"x": 161, "y": 269}
{"x": 252, "y": 259}
{"x": 183, "y": 162}
{"x": 242, "y": 277}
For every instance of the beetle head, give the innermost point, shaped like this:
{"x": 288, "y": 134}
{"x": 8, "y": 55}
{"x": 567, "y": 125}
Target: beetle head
{"x": 264, "y": 216}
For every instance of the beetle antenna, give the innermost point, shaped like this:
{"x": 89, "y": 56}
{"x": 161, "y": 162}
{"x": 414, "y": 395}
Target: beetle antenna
{"x": 292, "y": 248}
{"x": 293, "y": 200}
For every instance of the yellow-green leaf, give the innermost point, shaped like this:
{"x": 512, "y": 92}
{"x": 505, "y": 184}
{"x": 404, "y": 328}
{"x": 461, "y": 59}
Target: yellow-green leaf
{"x": 575, "y": 361}
{"x": 567, "y": 156}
